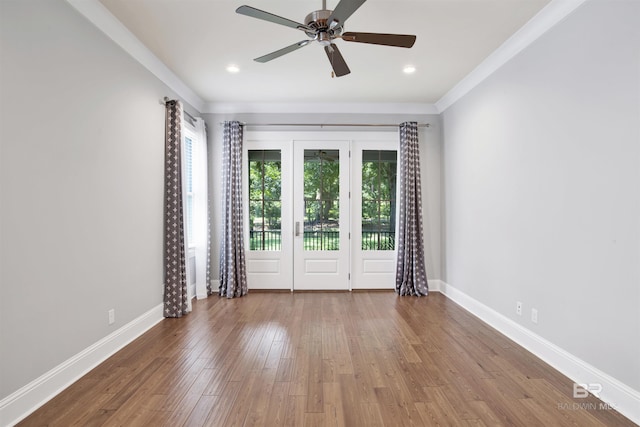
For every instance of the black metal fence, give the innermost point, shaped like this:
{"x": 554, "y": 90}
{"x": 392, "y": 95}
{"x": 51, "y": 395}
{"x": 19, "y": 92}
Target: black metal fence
{"x": 378, "y": 240}
{"x": 271, "y": 240}
{"x": 321, "y": 240}
{"x": 267, "y": 240}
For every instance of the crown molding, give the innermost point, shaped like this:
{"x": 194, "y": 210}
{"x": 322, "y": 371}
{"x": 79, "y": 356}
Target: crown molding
{"x": 104, "y": 20}
{"x": 547, "y": 18}
{"x": 323, "y": 108}
{"x": 543, "y": 21}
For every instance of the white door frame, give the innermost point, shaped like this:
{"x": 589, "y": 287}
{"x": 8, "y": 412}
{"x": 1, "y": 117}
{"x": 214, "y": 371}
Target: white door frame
{"x": 370, "y": 269}
{"x": 283, "y": 269}
{"x": 270, "y": 269}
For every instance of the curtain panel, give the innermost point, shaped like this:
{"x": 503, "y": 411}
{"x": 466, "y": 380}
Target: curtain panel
{"x": 411, "y": 275}
{"x": 233, "y": 276}
{"x": 176, "y": 299}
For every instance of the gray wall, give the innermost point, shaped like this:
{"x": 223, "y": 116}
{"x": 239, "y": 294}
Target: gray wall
{"x": 542, "y": 188}
{"x": 430, "y": 157}
{"x": 82, "y": 187}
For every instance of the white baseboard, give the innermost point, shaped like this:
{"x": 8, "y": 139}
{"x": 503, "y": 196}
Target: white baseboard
{"x": 434, "y": 285}
{"x": 618, "y": 395}
{"x": 27, "y": 399}
{"x": 215, "y": 285}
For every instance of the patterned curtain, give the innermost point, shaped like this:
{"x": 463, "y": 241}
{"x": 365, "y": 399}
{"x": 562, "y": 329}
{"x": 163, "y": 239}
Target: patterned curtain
{"x": 176, "y": 301}
{"x": 233, "y": 276}
{"x": 411, "y": 275}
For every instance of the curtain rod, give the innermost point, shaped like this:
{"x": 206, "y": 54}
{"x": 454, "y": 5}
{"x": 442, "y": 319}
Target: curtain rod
{"x": 166, "y": 99}
{"x": 321, "y": 125}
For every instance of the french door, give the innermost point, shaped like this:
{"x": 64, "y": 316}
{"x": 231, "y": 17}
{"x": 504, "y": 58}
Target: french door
{"x": 320, "y": 211}
{"x": 321, "y": 214}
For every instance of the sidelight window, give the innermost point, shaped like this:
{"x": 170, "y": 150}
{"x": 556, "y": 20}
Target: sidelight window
{"x": 379, "y": 174}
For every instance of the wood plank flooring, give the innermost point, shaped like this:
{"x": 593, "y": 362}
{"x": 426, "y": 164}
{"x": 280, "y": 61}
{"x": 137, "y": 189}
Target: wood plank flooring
{"x": 323, "y": 359}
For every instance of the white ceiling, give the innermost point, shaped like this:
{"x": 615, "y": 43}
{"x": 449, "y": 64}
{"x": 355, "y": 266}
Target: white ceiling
{"x": 198, "y": 39}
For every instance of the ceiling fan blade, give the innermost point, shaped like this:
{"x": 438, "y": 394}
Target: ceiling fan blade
{"x": 283, "y": 51}
{"x": 270, "y": 17}
{"x": 398, "y": 40}
{"x": 344, "y": 9}
{"x": 338, "y": 63}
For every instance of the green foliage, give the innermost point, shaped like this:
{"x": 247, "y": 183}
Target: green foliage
{"x": 265, "y": 190}
{"x": 322, "y": 199}
{"x": 271, "y": 184}
{"x": 321, "y": 187}
{"x": 379, "y": 174}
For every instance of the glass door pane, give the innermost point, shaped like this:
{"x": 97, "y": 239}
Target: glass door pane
{"x": 265, "y": 201}
{"x": 379, "y": 171}
{"x": 321, "y": 200}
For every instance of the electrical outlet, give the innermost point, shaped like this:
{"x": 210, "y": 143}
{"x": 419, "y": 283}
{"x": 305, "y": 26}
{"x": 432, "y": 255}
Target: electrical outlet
{"x": 534, "y": 315}
{"x": 112, "y": 316}
{"x": 519, "y": 308}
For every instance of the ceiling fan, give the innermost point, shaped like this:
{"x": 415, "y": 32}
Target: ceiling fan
{"x": 324, "y": 26}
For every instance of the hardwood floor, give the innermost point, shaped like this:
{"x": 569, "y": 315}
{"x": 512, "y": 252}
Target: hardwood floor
{"x": 323, "y": 359}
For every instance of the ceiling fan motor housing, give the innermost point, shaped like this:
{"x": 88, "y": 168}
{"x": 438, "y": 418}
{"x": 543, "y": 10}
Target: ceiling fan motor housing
{"x": 318, "y": 20}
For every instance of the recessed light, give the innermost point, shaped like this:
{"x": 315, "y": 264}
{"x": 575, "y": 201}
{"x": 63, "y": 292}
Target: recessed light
{"x": 233, "y": 68}
{"x": 409, "y": 69}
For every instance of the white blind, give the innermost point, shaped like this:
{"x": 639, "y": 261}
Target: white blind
{"x": 188, "y": 174}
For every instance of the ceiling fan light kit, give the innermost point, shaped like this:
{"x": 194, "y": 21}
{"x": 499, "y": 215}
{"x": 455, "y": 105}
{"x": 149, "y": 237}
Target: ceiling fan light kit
{"x": 324, "y": 26}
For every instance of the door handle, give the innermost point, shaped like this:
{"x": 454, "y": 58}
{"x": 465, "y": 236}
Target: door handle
{"x": 297, "y": 228}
